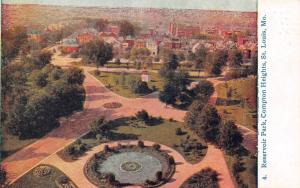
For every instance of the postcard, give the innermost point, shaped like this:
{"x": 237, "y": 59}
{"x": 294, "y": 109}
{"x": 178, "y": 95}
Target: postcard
{"x": 171, "y": 94}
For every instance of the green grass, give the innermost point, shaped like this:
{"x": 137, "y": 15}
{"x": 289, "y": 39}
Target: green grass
{"x": 243, "y": 116}
{"x": 248, "y": 176}
{"x": 31, "y": 181}
{"x": 114, "y": 82}
{"x": 11, "y": 144}
{"x": 243, "y": 90}
{"x": 162, "y": 132}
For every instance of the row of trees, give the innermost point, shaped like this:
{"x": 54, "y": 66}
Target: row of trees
{"x": 37, "y": 93}
{"x": 204, "y": 119}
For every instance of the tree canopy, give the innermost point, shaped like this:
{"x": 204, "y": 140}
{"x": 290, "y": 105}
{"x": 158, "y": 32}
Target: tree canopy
{"x": 98, "y": 52}
{"x": 127, "y": 28}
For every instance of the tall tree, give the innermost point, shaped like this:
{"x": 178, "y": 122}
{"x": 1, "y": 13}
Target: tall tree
{"x": 168, "y": 94}
{"x": 127, "y": 28}
{"x": 98, "y": 52}
{"x": 230, "y": 137}
{"x": 101, "y": 24}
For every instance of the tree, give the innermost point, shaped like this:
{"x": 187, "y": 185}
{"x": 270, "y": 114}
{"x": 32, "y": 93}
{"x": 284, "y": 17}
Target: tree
{"x": 40, "y": 59}
{"x": 212, "y": 66}
{"x": 200, "y": 57}
{"x": 127, "y": 28}
{"x": 142, "y": 115}
{"x": 168, "y": 94}
{"x": 204, "y": 179}
{"x": 204, "y": 88}
{"x": 101, "y": 24}
{"x": 236, "y": 58}
{"x": 98, "y": 52}
{"x": 140, "y": 55}
{"x": 140, "y": 87}
{"x": 209, "y": 121}
{"x": 230, "y": 137}
{"x": 193, "y": 113}
{"x": 40, "y": 79}
{"x": 74, "y": 75}
{"x": 172, "y": 63}
{"x": 3, "y": 176}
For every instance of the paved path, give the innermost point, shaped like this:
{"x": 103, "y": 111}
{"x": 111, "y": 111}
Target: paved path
{"x": 213, "y": 159}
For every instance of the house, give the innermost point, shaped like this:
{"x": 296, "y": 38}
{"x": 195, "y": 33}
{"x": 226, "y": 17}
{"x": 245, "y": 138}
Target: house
{"x": 152, "y": 47}
{"x": 114, "y": 29}
{"x": 69, "y": 45}
{"x": 86, "y": 35}
{"x": 34, "y": 35}
{"x": 173, "y": 43}
{"x": 140, "y": 43}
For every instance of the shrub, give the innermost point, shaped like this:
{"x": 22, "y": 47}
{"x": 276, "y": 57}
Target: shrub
{"x": 159, "y": 175}
{"x": 179, "y": 131}
{"x": 141, "y": 144}
{"x": 3, "y": 175}
{"x": 63, "y": 179}
{"x": 106, "y": 148}
{"x": 156, "y": 147}
{"x": 97, "y": 72}
{"x": 140, "y": 87}
{"x": 97, "y": 126}
{"x": 70, "y": 150}
{"x": 171, "y": 160}
{"x": 142, "y": 115}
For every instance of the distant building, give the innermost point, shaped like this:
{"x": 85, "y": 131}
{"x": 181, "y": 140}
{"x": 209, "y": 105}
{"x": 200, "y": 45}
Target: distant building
{"x": 140, "y": 43}
{"x": 70, "y": 45}
{"x": 86, "y": 35}
{"x": 34, "y": 35}
{"x": 114, "y": 29}
{"x": 152, "y": 47}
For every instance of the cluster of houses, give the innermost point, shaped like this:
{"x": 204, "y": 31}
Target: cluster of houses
{"x": 177, "y": 37}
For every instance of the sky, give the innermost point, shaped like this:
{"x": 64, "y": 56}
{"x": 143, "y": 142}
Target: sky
{"x": 232, "y": 5}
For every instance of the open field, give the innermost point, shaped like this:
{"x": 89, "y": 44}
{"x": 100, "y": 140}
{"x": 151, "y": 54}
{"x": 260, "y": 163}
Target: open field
{"x": 120, "y": 82}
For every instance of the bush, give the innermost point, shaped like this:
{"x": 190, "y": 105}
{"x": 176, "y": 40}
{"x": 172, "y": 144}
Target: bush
{"x": 179, "y": 131}
{"x": 106, "y": 148}
{"x": 3, "y": 175}
{"x": 139, "y": 87}
{"x": 97, "y": 126}
{"x": 141, "y": 144}
{"x": 156, "y": 147}
{"x": 171, "y": 160}
{"x": 97, "y": 72}
{"x": 142, "y": 115}
{"x": 63, "y": 179}
{"x": 159, "y": 175}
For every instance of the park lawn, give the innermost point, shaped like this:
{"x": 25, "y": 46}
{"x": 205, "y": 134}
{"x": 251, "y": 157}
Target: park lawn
{"x": 242, "y": 116}
{"x": 31, "y": 181}
{"x": 248, "y": 176}
{"x": 243, "y": 88}
{"x": 113, "y": 81}
{"x": 162, "y": 132}
{"x": 11, "y": 144}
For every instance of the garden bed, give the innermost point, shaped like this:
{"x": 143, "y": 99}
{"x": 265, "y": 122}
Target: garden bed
{"x": 44, "y": 176}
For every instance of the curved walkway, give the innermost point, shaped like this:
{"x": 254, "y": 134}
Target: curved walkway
{"x": 213, "y": 159}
